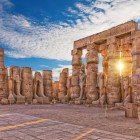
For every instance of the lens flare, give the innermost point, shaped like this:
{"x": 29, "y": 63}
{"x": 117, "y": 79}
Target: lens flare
{"x": 120, "y": 67}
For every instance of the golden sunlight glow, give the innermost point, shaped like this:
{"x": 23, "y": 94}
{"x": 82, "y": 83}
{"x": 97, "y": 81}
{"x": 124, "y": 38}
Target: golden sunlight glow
{"x": 120, "y": 67}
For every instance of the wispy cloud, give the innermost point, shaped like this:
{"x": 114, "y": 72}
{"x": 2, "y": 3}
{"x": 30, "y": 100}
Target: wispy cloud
{"x": 26, "y": 39}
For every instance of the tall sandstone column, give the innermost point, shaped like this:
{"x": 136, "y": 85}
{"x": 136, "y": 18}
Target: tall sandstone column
{"x": 69, "y": 87}
{"x": 113, "y": 85}
{"x": 3, "y": 77}
{"x": 76, "y": 66}
{"x": 125, "y": 45}
{"x": 136, "y": 67}
{"x": 92, "y": 69}
{"x": 63, "y": 85}
{"x": 55, "y": 91}
{"x": 27, "y": 84}
{"x": 47, "y": 81}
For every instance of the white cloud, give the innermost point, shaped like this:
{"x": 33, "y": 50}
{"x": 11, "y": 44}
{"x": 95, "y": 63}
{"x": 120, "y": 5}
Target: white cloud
{"x": 56, "y": 42}
{"x": 57, "y": 71}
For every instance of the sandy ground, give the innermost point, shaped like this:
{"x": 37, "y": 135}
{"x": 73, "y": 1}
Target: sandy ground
{"x": 80, "y": 115}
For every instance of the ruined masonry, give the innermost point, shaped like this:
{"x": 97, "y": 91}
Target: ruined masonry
{"x": 86, "y": 85}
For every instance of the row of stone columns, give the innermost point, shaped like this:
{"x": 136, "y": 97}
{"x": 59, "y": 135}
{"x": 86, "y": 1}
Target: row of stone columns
{"x": 117, "y": 88}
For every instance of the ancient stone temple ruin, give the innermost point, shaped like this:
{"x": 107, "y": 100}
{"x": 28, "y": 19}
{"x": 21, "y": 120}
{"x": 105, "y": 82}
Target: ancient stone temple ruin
{"x": 118, "y": 84}
{"x": 118, "y": 45}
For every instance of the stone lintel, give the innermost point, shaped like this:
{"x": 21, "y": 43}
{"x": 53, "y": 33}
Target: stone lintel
{"x": 135, "y": 34}
{"x": 125, "y": 28}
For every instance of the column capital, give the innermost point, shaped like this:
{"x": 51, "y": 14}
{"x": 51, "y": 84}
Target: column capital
{"x": 76, "y": 52}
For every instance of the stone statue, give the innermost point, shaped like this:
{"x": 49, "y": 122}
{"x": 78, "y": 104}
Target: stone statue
{"x": 20, "y": 98}
{"x": 11, "y": 98}
{"x": 39, "y": 96}
{"x": 126, "y": 90}
{"x": 101, "y": 89}
{"x": 82, "y": 82}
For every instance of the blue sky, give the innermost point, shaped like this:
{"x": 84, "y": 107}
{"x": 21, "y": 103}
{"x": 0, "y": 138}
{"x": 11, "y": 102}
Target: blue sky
{"x": 40, "y": 33}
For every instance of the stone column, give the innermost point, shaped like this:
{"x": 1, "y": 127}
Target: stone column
{"x": 3, "y": 77}
{"x": 92, "y": 70}
{"x": 69, "y": 87}
{"x": 125, "y": 45}
{"x": 76, "y": 66}
{"x": 27, "y": 84}
{"x": 63, "y": 85}
{"x": 55, "y": 91}
{"x": 47, "y": 81}
{"x": 136, "y": 67}
{"x": 113, "y": 85}
{"x": 105, "y": 65}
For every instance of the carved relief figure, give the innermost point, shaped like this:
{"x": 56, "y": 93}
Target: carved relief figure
{"x": 82, "y": 82}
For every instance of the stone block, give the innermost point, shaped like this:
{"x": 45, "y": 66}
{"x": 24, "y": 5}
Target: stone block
{"x": 4, "y": 101}
{"x": 131, "y": 110}
{"x": 20, "y": 99}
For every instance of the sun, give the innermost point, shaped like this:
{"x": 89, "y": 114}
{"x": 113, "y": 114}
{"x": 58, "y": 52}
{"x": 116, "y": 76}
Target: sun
{"x": 120, "y": 66}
